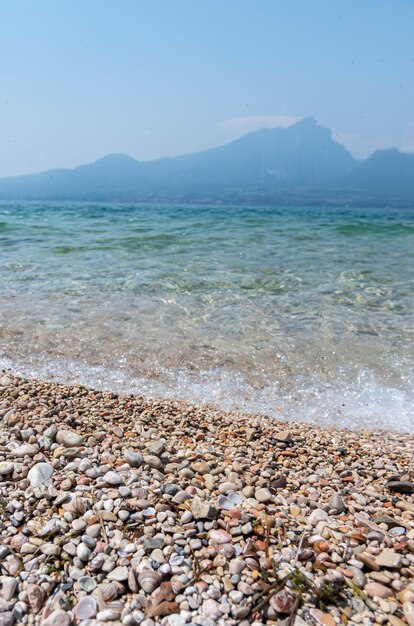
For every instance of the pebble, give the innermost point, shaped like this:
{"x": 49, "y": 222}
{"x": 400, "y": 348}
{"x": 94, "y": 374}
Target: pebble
{"x": 153, "y": 461}
{"x": 203, "y": 510}
{"x": 408, "y": 609}
{"x": 263, "y": 495}
{"x": 39, "y": 474}
{"x": 8, "y": 587}
{"x": 68, "y": 438}
{"x": 283, "y": 436}
{"x": 57, "y": 618}
{"x": 6, "y": 468}
{"x": 27, "y": 449}
{"x": 185, "y": 509}
{"x": 35, "y": 595}
{"x": 6, "y": 618}
{"x": 322, "y": 618}
{"x": 227, "y": 487}
{"x": 318, "y": 515}
{"x": 108, "y": 615}
{"x": 211, "y": 609}
{"x": 133, "y": 458}
{"x": 86, "y": 608}
{"x": 336, "y": 503}
{"x": 119, "y": 574}
{"x": 156, "y": 447}
{"x": 401, "y": 486}
{"x": 112, "y": 478}
{"x": 389, "y": 558}
{"x": 201, "y": 468}
{"x": 219, "y": 536}
{"x": 378, "y": 590}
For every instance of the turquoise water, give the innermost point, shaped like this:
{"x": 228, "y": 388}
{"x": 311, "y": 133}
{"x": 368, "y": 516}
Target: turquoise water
{"x": 303, "y": 313}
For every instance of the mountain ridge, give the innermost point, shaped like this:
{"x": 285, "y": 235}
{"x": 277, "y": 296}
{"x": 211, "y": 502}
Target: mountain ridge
{"x": 299, "y": 163}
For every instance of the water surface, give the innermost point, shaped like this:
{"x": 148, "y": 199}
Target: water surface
{"x": 303, "y": 313}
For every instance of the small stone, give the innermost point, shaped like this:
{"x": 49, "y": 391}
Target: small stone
{"x": 83, "y": 552}
{"x": 389, "y": 558}
{"x": 336, "y": 503}
{"x": 401, "y": 486}
{"x": 263, "y": 495}
{"x": 176, "y": 620}
{"x": 322, "y": 618}
{"x": 186, "y": 517}
{"x": 369, "y": 561}
{"x": 211, "y": 609}
{"x": 57, "y": 618}
{"x": 119, "y": 573}
{"x": 282, "y": 602}
{"x": 248, "y": 491}
{"x": 6, "y": 618}
{"x": 8, "y": 587}
{"x": 153, "y": 461}
{"x": 279, "y": 482}
{"x": 236, "y": 566}
{"x": 408, "y": 609}
{"x": 378, "y": 590}
{"x": 318, "y": 515}
{"x": 86, "y": 608}
{"x": 220, "y": 536}
{"x": 108, "y": 615}
{"x": 50, "y": 549}
{"x": 405, "y": 506}
{"x": 283, "y": 436}
{"x": 68, "y": 439}
{"x": 359, "y": 499}
{"x": 6, "y": 468}
{"x": 112, "y": 478}
{"x": 36, "y": 596}
{"x": 203, "y": 510}
{"x": 396, "y": 621}
{"x": 358, "y": 576}
{"x": 27, "y": 449}
{"x": 170, "y": 489}
{"x": 39, "y": 474}
{"x": 156, "y": 447}
{"x": 133, "y": 458}
{"x": 201, "y": 468}
{"x": 227, "y": 487}
{"x": 67, "y": 453}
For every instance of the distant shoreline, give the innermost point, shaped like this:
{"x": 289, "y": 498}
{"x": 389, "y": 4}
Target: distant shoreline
{"x": 242, "y": 201}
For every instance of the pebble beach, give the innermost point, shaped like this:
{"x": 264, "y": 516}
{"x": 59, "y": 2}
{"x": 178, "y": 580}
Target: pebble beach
{"x": 125, "y": 510}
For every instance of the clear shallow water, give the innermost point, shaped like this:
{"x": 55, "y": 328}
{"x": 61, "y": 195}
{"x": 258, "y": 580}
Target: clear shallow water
{"x": 303, "y": 313}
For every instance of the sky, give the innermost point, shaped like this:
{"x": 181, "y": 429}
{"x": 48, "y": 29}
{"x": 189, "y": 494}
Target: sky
{"x": 152, "y": 78}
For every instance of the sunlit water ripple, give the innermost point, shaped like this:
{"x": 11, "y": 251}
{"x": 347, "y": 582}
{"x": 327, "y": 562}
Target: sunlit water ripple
{"x": 303, "y": 313}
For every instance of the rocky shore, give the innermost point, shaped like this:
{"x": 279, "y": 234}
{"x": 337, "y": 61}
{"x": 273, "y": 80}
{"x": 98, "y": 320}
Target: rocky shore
{"x": 123, "y": 510}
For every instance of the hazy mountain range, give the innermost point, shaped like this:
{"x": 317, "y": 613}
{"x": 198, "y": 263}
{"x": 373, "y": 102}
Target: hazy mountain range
{"x": 301, "y": 163}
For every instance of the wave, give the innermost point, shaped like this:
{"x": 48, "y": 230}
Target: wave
{"x": 361, "y": 404}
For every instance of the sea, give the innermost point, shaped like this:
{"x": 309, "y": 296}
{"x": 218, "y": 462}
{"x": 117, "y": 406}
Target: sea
{"x": 299, "y": 313}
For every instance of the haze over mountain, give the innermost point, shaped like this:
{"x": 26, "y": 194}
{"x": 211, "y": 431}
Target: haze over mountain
{"x": 300, "y": 163}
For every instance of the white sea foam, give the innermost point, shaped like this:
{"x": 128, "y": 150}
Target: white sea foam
{"x": 360, "y": 404}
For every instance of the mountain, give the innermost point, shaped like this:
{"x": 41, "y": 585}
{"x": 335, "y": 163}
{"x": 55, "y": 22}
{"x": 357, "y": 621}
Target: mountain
{"x": 386, "y": 173}
{"x": 300, "y": 163}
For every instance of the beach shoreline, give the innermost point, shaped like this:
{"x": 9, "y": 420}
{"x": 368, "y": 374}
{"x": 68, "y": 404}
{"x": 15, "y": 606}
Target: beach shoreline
{"x": 122, "y": 509}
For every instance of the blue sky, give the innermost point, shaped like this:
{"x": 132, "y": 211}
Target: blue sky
{"x": 151, "y": 78}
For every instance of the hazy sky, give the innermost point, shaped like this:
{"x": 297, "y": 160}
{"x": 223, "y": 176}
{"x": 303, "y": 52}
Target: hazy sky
{"x": 150, "y": 78}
